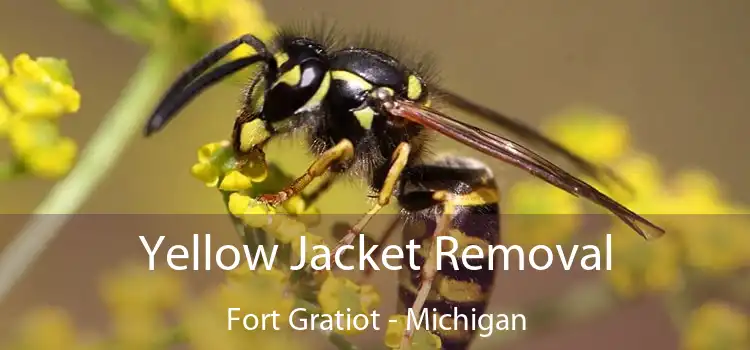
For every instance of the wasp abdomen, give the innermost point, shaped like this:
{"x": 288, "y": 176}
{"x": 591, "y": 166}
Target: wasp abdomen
{"x": 460, "y": 291}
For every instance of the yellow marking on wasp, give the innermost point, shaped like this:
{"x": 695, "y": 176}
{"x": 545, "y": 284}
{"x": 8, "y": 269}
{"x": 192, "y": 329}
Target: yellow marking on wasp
{"x": 319, "y": 95}
{"x": 253, "y": 133}
{"x": 291, "y": 77}
{"x": 281, "y": 58}
{"x": 484, "y": 195}
{"x": 352, "y": 78}
{"x": 365, "y": 117}
{"x": 413, "y": 88}
{"x": 463, "y": 241}
{"x": 257, "y": 96}
{"x": 459, "y": 291}
{"x": 322, "y": 90}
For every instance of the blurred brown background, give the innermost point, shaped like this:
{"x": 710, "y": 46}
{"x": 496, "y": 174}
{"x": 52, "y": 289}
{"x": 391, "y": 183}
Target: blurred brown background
{"x": 677, "y": 70}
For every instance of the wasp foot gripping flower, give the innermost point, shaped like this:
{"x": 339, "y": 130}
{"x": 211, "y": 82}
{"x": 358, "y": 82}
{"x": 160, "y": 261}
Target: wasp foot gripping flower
{"x": 421, "y": 340}
{"x": 216, "y": 161}
{"x": 340, "y": 295}
{"x": 218, "y": 167}
{"x": 715, "y": 325}
{"x": 37, "y": 92}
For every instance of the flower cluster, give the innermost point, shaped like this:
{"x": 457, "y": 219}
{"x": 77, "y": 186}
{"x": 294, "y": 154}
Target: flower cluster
{"x": 231, "y": 18}
{"x": 37, "y": 92}
{"x": 704, "y": 238}
{"x": 716, "y": 325}
{"x": 241, "y": 181}
{"x": 702, "y": 233}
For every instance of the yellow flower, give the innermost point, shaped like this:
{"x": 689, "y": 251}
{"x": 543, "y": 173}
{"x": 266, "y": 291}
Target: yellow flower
{"x": 287, "y": 229}
{"x": 4, "y": 69}
{"x": 6, "y": 117}
{"x": 215, "y": 161}
{"x": 138, "y": 329}
{"x": 342, "y": 295}
{"x": 422, "y": 339}
{"x": 202, "y": 11}
{"x": 294, "y": 205}
{"x": 205, "y": 172}
{"x": 259, "y": 292}
{"x": 639, "y": 266}
{"x": 697, "y": 192}
{"x": 642, "y": 172}
{"x": 596, "y": 136}
{"x": 137, "y": 299}
{"x": 541, "y": 214}
{"x": 41, "y": 148}
{"x": 716, "y": 243}
{"x": 298, "y": 207}
{"x": 38, "y": 91}
{"x": 48, "y": 329}
{"x": 235, "y": 181}
{"x": 715, "y": 325}
{"x": 252, "y": 212}
{"x": 244, "y": 17}
{"x": 133, "y": 288}
{"x": 207, "y": 152}
{"x": 206, "y": 328}
{"x": 53, "y": 161}
{"x": 239, "y": 203}
{"x": 42, "y": 87}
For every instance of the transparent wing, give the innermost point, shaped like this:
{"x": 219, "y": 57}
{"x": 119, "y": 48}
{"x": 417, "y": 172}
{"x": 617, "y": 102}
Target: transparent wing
{"x": 519, "y": 156}
{"x": 529, "y": 134}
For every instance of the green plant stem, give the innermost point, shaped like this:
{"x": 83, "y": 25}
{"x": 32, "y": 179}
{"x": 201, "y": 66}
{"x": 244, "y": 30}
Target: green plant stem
{"x": 120, "y": 125}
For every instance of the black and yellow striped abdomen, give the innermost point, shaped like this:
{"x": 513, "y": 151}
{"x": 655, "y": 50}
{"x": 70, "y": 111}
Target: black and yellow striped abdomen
{"x": 472, "y": 201}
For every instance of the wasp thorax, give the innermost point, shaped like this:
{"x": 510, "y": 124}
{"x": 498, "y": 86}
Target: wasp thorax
{"x": 302, "y": 81}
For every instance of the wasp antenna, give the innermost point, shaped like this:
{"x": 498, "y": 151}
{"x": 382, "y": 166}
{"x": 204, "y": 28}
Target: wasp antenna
{"x": 170, "y": 107}
{"x": 190, "y": 82}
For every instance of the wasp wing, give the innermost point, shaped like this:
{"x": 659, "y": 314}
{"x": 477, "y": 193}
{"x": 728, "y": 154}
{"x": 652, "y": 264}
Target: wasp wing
{"x": 517, "y": 155}
{"x": 529, "y": 134}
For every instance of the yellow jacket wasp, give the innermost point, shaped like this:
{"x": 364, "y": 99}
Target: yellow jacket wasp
{"x": 367, "y": 113}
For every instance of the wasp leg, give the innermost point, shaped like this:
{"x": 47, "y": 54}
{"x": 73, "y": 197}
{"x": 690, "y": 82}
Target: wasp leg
{"x": 380, "y": 242}
{"x": 341, "y": 152}
{"x": 429, "y": 269}
{"x": 398, "y": 163}
{"x": 314, "y": 195}
{"x": 191, "y": 81}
